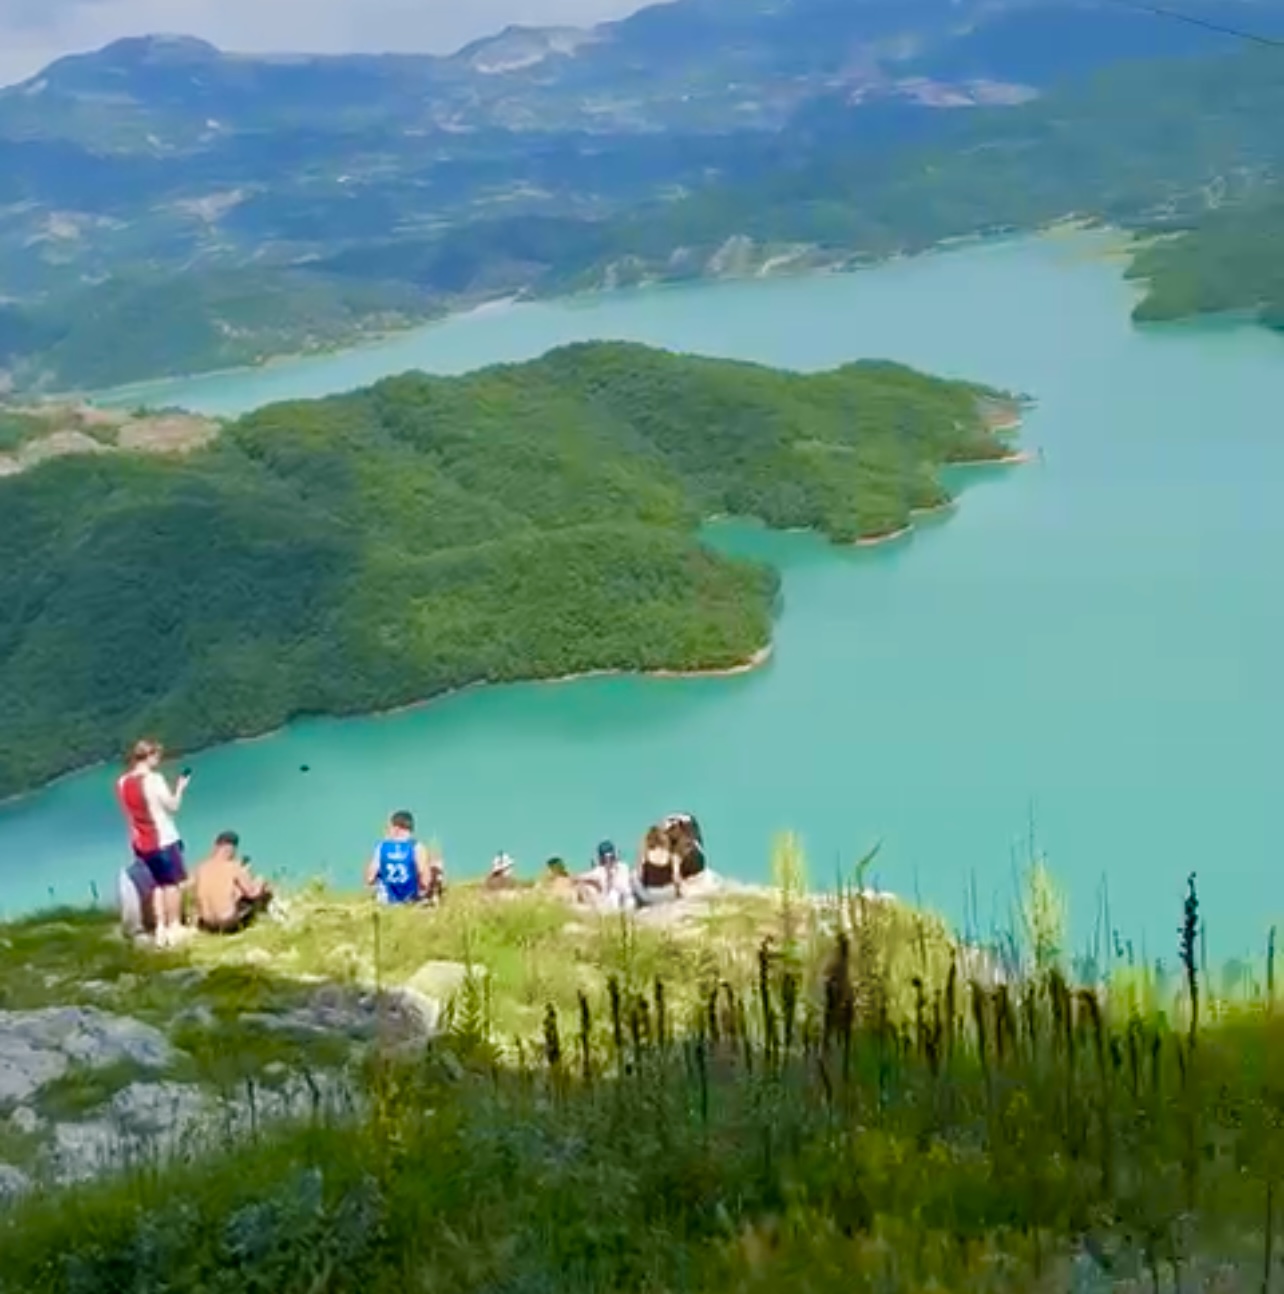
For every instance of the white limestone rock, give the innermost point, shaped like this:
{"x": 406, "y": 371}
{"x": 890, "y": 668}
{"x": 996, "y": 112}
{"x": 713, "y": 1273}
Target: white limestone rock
{"x": 142, "y": 1121}
{"x": 26, "y": 1122}
{"x": 26, "y": 1068}
{"x": 13, "y": 1182}
{"x": 158, "y": 1109}
{"x": 37, "y": 1047}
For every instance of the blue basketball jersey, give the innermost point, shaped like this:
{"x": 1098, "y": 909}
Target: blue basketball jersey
{"x": 398, "y": 876}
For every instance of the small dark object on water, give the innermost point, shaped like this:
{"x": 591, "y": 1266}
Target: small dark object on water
{"x": 305, "y": 768}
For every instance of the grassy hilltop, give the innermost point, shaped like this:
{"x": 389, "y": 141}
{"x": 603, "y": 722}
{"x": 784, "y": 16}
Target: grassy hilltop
{"x": 773, "y": 1091}
{"x": 357, "y": 553}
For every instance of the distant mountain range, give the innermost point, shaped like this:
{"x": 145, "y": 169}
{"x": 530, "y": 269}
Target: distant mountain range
{"x": 222, "y": 207}
{"x": 691, "y": 65}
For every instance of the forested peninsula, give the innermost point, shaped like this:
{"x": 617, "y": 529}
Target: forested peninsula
{"x": 365, "y": 551}
{"x": 1230, "y": 261}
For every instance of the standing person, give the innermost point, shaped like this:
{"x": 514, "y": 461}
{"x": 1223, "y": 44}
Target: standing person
{"x": 149, "y": 806}
{"x": 228, "y": 898}
{"x": 402, "y": 870}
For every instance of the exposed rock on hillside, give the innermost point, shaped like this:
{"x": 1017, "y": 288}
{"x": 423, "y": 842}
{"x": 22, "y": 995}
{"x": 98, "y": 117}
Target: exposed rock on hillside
{"x": 12, "y": 1181}
{"x": 84, "y": 1090}
{"x": 37, "y": 1047}
{"x": 30, "y": 435}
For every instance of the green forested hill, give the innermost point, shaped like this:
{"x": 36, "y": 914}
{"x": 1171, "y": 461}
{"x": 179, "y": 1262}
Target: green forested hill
{"x": 371, "y": 549}
{"x": 1143, "y": 146}
{"x": 1231, "y": 260}
{"x": 1148, "y": 145}
{"x": 130, "y": 328}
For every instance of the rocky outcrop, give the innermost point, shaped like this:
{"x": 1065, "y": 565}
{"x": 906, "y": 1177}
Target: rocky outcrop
{"x": 12, "y": 1181}
{"x": 137, "y": 1121}
{"x": 405, "y": 1014}
{"x": 151, "y": 1118}
{"x": 428, "y": 993}
{"x": 154, "y": 1120}
{"x": 37, "y": 1047}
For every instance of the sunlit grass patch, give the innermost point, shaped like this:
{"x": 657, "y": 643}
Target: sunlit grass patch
{"x": 65, "y": 956}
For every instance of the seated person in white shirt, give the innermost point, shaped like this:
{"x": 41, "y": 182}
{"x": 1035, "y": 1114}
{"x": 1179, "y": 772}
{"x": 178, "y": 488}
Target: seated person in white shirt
{"x": 607, "y": 884}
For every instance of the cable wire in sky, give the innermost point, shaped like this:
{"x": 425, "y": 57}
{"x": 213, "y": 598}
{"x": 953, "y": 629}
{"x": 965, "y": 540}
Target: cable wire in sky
{"x": 1176, "y": 15}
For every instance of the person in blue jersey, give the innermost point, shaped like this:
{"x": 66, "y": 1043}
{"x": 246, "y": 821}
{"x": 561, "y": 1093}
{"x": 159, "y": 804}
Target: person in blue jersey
{"x": 402, "y": 869}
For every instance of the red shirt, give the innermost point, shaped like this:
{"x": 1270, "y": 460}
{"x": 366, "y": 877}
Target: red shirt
{"x": 148, "y": 805}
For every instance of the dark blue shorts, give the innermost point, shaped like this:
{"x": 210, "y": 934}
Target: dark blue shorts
{"x": 166, "y": 865}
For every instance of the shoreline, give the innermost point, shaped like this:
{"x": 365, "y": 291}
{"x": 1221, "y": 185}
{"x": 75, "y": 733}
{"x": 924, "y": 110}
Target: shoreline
{"x": 118, "y": 397}
{"x": 759, "y": 658}
{"x": 889, "y": 537}
{"x": 903, "y": 532}
{"x": 1018, "y": 458}
{"x": 756, "y": 661}
{"x": 850, "y": 263}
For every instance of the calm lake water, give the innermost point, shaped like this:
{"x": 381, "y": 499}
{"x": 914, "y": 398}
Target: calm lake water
{"x": 1095, "y": 640}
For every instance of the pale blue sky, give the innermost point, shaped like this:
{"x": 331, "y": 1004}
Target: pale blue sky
{"x": 34, "y": 32}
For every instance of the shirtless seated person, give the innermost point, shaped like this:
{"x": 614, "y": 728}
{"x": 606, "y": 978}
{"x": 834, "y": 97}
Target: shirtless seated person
{"x": 228, "y": 898}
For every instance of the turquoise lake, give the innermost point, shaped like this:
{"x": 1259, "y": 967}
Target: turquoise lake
{"x": 1093, "y": 641}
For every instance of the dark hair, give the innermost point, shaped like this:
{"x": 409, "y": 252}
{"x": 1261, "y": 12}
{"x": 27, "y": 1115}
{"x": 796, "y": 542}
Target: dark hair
{"x": 556, "y": 867}
{"x": 229, "y": 838}
{"x": 403, "y": 820}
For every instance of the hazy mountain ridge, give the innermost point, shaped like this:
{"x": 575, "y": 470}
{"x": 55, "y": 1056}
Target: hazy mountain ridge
{"x": 692, "y": 65}
{"x": 163, "y": 165}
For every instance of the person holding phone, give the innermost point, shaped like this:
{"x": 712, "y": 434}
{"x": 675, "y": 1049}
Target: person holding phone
{"x": 149, "y": 805}
{"x": 228, "y": 897}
